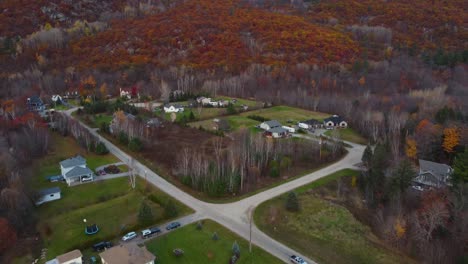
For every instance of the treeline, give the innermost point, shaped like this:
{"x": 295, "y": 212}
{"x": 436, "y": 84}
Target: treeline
{"x": 243, "y": 164}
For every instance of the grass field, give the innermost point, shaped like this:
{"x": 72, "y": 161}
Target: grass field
{"x": 200, "y": 248}
{"x": 349, "y": 134}
{"x": 286, "y": 113}
{"x": 63, "y": 148}
{"x": 322, "y": 230}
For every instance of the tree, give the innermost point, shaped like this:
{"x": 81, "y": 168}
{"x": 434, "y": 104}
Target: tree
{"x": 101, "y": 149}
{"x": 170, "y": 209}
{"x": 292, "y": 202}
{"x": 191, "y": 116}
{"x": 145, "y": 215}
{"x": 411, "y": 149}
{"x": 235, "y": 248}
{"x": 451, "y": 139}
{"x": 135, "y": 144}
{"x": 7, "y": 235}
{"x": 402, "y": 176}
{"x": 215, "y": 236}
{"x": 199, "y": 225}
{"x": 367, "y": 157}
{"x": 123, "y": 138}
{"x": 231, "y": 110}
{"x": 460, "y": 168}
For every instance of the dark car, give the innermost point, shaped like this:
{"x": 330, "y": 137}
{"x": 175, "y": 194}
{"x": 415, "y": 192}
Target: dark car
{"x": 102, "y": 245}
{"x": 173, "y": 225}
{"x": 150, "y": 231}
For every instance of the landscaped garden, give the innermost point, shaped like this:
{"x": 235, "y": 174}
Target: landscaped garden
{"x": 321, "y": 227}
{"x": 201, "y": 246}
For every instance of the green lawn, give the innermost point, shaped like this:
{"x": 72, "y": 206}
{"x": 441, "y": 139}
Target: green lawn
{"x": 200, "y": 248}
{"x": 240, "y": 101}
{"x": 349, "y": 134}
{"x": 63, "y": 148}
{"x": 322, "y": 230}
{"x": 286, "y": 113}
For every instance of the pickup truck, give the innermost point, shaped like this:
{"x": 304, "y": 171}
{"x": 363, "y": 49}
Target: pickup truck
{"x": 150, "y": 231}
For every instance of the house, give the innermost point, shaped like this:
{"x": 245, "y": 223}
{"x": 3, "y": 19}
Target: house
{"x": 267, "y": 125}
{"x": 129, "y": 253}
{"x": 223, "y": 103}
{"x": 125, "y": 94}
{"x": 47, "y": 195}
{"x": 221, "y": 124}
{"x": 34, "y": 103}
{"x": 153, "y": 122}
{"x": 74, "y": 170}
{"x": 433, "y": 174}
{"x": 277, "y": 132}
{"x": 205, "y": 100}
{"x": 214, "y": 103}
{"x": 57, "y": 99}
{"x": 309, "y": 124}
{"x": 335, "y": 121}
{"x": 72, "y": 257}
{"x": 245, "y": 107}
{"x": 172, "y": 108}
{"x": 289, "y": 129}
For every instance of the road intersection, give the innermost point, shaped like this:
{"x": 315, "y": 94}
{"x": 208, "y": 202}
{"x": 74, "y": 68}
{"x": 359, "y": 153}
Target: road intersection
{"x": 235, "y": 216}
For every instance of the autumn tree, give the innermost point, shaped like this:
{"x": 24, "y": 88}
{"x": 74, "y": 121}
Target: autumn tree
{"x": 411, "y": 149}
{"x": 451, "y": 139}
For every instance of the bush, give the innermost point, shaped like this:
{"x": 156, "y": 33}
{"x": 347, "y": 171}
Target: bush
{"x": 292, "y": 202}
{"x": 145, "y": 215}
{"x": 123, "y": 138}
{"x": 235, "y": 248}
{"x": 135, "y": 144}
{"x": 231, "y": 110}
{"x": 101, "y": 149}
{"x": 199, "y": 225}
{"x": 215, "y": 236}
{"x": 170, "y": 209}
{"x": 104, "y": 127}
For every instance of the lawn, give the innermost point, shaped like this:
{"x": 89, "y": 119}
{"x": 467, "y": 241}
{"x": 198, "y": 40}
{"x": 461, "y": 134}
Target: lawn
{"x": 321, "y": 229}
{"x": 111, "y": 204}
{"x": 200, "y": 248}
{"x": 240, "y": 101}
{"x": 286, "y": 113}
{"x": 63, "y": 148}
{"x": 349, "y": 134}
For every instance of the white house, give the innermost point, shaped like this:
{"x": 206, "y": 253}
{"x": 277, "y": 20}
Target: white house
{"x": 267, "y": 125}
{"x": 171, "y": 108}
{"x": 309, "y": 124}
{"x": 72, "y": 257}
{"x": 214, "y": 103}
{"x": 74, "y": 170}
{"x": 277, "y": 132}
{"x": 205, "y": 101}
{"x": 129, "y": 253}
{"x": 433, "y": 174}
{"x": 124, "y": 93}
{"x": 47, "y": 195}
{"x": 56, "y": 98}
{"x": 335, "y": 121}
{"x": 289, "y": 129}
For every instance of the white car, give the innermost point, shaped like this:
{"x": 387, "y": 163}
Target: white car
{"x": 129, "y": 236}
{"x": 297, "y": 260}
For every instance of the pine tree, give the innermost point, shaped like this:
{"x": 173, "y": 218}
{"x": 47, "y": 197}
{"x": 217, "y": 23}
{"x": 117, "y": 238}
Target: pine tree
{"x": 145, "y": 215}
{"x": 367, "y": 156}
{"x": 235, "y": 248}
{"x": 292, "y": 202}
{"x": 170, "y": 209}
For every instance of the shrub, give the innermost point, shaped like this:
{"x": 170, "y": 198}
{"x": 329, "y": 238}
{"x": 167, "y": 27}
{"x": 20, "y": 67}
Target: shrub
{"x": 292, "y": 202}
{"x": 135, "y": 144}
{"x": 231, "y": 110}
{"x": 235, "y": 248}
{"x": 199, "y": 225}
{"x": 145, "y": 215}
{"x": 215, "y": 236}
{"x": 123, "y": 138}
{"x": 101, "y": 149}
{"x": 170, "y": 209}
{"x": 104, "y": 127}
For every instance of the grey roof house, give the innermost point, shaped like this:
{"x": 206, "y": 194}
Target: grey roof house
{"x": 433, "y": 174}
{"x": 34, "y": 103}
{"x": 267, "y": 125}
{"x": 277, "y": 132}
{"x": 74, "y": 170}
{"x": 335, "y": 121}
{"x": 47, "y": 195}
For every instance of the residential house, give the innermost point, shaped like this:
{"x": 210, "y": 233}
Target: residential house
{"x": 74, "y": 170}
{"x": 433, "y": 174}
{"x": 173, "y": 108}
{"x": 335, "y": 121}
{"x": 47, "y": 195}
{"x": 223, "y": 103}
{"x": 129, "y": 253}
{"x": 267, "y": 125}
{"x": 277, "y": 132}
{"x": 34, "y": 103}
{"x": 221, "y": 125}
{"x": 125, "y": 94}
{"x": 289, "y": 129}
{"x": 57, "y": 99}
{"x": 214, "y": 103}
{"x": 72, "y": 257}
{"x": 205, "y": 100}
{"x": 309, "y": 124}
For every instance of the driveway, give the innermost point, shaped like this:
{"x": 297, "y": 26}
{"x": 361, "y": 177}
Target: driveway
{"x": 235, "y": 216}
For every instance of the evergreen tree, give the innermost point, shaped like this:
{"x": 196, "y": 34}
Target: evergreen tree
{"x": 367, "y": 156}
{"x": 215, "y": 236}
{"x": 101, "y": 149}
{"x": 460, "y": 168}
{"x": 292, "y": 202}
{"x": 145, "y": 215}
{"x": 191, "y": 116}
{"x": 235, "y": 248}
{"x": 402, "y": 176}
{"x": 135, "y": 144}
{"x": 170, "y": 209}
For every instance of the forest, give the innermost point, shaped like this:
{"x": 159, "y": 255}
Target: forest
{"x": 397, "y": 70}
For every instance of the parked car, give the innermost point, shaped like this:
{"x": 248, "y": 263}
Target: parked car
{"x": 150, "y": 231}
{"x": 297, "y": 260}
{"x": 102, "y": 245}
{"x": 86, "y": 179}
{"x": 173, "y": 225}
{"x": 129, "y": 236}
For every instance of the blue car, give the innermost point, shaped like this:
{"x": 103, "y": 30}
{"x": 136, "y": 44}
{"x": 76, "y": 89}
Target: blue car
{"x": 173, "y": 225}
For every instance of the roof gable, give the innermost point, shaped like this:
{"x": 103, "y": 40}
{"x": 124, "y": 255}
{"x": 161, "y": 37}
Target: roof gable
{"x": 44, "y": 192}
{"x": 272, "y": 123}
{"x": 335, "y": 119}
{"x": 74, "y": 161}
{"x": 78, "y": 171}
{"x": 437, "y": 169}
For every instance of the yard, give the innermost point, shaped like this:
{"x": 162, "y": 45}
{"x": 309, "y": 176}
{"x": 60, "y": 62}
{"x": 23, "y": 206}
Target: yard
{"x": 95, "y": 120}
{"x": 286, "y": 114}
{"x": 63, "y": 148}
{"x": 324, "y": 231}
{"x": 200, "y": 248}
{"x": 348, "y": 134}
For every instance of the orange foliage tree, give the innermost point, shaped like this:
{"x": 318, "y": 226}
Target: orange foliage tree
{"x": 451, "y": 139}
{"x": 411, "y": 148}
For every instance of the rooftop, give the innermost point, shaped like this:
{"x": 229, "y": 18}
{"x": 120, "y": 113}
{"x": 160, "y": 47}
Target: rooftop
{"x": 72, "y": 162}
{"x": 438, "y": 169}
{"x": 48, "y": 191}
{"x": 273, "y": 123}
{"x": 129, "y": 253}
{"x": 69, "y": 256}
{"x": 78, "y": 171}
{"x": 334, "y": 118}
{"x": 278, "y": 130}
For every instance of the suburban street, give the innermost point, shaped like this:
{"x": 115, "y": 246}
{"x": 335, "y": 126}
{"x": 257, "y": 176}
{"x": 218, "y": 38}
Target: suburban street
{"x": 235, "y": 216}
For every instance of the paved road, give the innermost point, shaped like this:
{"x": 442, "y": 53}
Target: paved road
{"x": 235, "y": 216}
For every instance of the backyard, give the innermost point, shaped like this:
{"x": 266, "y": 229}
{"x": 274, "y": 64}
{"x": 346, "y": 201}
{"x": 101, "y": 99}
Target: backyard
{"x": 200, "y": 248}
{"x": 322, "y": 228}
{"x": 348, "y": 134}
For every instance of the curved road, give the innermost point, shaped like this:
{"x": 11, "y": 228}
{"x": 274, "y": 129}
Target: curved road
{"x": 235, "y": 216}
